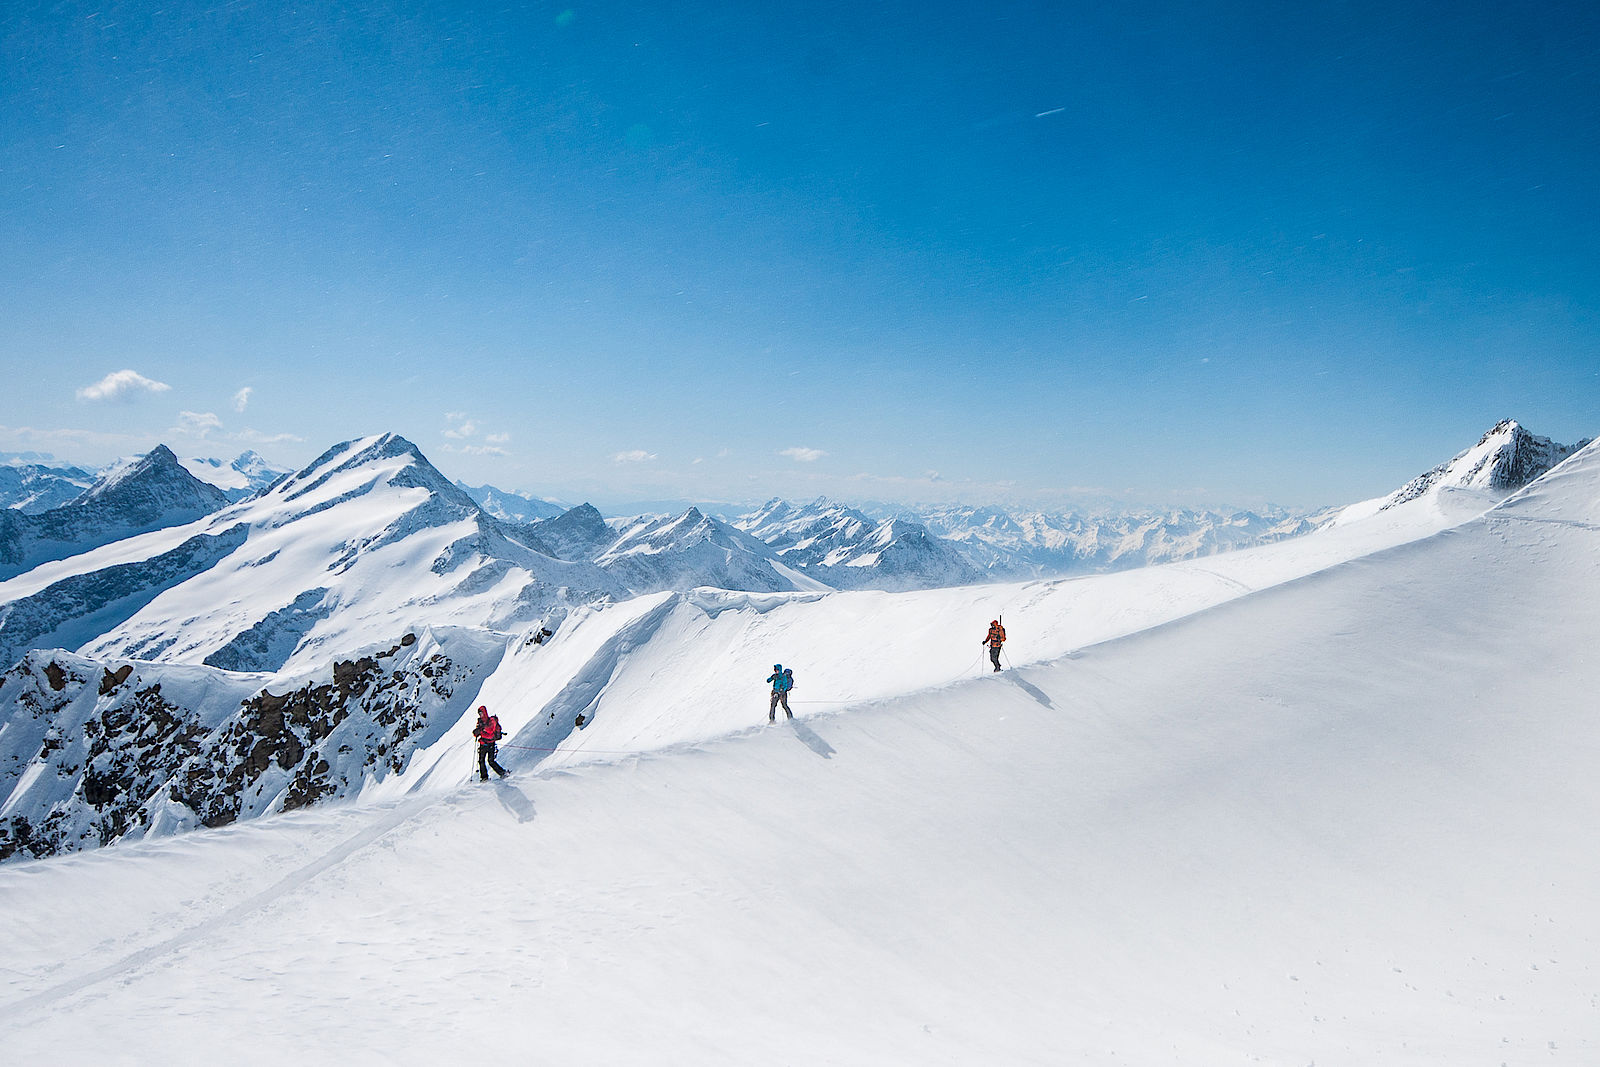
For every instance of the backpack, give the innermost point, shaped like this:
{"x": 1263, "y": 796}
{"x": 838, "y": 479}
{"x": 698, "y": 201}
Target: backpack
{"x": 788, "y": 679}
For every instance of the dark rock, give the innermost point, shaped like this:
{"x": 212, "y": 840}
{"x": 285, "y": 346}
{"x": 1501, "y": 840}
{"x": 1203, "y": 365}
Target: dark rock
{"x": 111, "y": 680}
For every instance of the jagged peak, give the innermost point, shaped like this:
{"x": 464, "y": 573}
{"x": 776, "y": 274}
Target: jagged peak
{"x": 159, "y": 464}
{"x": 359, "y": 452}
{"x": 1507, "y": 457}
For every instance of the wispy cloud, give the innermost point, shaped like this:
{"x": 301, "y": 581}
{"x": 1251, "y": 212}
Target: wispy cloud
{"x": 31, "y": 437}
{"x": 637, "y": 455}
{"x": 259, "y": 438}
{"x": 463, "y": 428}
{"x": 803, "y": 455}
{"x": 241, "y": 399}
{"x": 120, "y": 384}
{"x": 196, "y": 423}
{"x": 476, "y": 450}
{"x": 84, "y": 444}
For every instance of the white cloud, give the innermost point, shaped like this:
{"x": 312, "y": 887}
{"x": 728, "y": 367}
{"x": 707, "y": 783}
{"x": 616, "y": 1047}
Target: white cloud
{"x": 638, "y": 455}
{"x": 77, "y": 442}
{"x": 196, "y": 423}
{"x": 259, "y": 438}
{"x": 476, "y": 450}
{"x": 119, "y": 384}
{"x": 803, "y": 455}
{"x": 464, "y": 427}
{"x": 241, "y": 399}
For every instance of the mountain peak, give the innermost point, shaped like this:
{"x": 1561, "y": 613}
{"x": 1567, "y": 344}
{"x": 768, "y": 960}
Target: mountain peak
{"x": 157, "y": 472}
{"x": 1505, "y": 458}
{"x": 148, "y": 493}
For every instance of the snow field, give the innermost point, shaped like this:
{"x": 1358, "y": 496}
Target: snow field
{"x": 675, "y": 669}
{"x": 1344, "y": 820}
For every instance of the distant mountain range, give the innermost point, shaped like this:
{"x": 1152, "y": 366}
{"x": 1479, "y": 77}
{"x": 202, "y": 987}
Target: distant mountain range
{"x": 183, "y": 658}
{"x": 845, "y": 549}
{"x": 510, "y": 507}
{"x": 151, "y": 561}
{"x": 146, "y": 494}
{"x": 1031, "y": 544}
{"x": 30, "y": 484}
{"x": 246, "y": 476}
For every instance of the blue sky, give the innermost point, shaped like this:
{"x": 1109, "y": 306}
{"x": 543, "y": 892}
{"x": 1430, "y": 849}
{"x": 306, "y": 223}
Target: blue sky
{"x": 1169, "y": 252}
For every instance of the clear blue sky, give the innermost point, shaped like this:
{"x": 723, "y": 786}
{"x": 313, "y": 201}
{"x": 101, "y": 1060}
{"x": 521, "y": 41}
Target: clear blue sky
{"x": 1228, "y": 252}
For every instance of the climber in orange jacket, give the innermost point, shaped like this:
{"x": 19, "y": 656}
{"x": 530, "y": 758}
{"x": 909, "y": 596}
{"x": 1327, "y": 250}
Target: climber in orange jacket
{"x": 994, "y": 639}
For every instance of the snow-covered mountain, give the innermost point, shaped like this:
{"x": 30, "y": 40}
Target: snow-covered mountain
{"x": 845, "y": 549}
{"x": 1347, "y": 819}
{"x": 508, "y": 507}
{"x": 31, "y": 484}
{"x": 149, "y": 493}
{"x": 580, "y": 533}
{"x": 368, "y": 540}
{"x": 1013, "y": 544}
{"x": 655, "y": 552}
{"x": 649, "y": 553}
{"x": 1505, "y": 459}
{"x": 94, "y": 754}
{"x": 245, "y": 476}
{"x": 1008, "y": 543}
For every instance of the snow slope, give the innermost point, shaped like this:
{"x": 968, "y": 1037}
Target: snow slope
{"x": 1506, "y": 458}
{"x": 699, "y": 672}
{"x": 92, "y": 754}
{"x": 244, "y": 477}
{"x": 145, "y": 493}
{"x": 1345, "y": 820}
{"x": 34, "y": 487}
{"x": 646, "y": 673}
{"x": 367, "y": 542}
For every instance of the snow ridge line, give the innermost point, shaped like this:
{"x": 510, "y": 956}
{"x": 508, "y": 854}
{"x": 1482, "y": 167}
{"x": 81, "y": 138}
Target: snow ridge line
{"x": 403, "y": 812}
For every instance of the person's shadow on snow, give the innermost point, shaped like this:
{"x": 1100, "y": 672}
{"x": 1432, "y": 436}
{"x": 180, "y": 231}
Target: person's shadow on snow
{"x": 809, "y": 738}
{"x": 1032, "y": 690}
{"x": 514, "y": 800}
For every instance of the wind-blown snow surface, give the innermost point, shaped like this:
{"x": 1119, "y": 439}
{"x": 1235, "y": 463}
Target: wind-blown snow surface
{"x": 1345, "y": 820}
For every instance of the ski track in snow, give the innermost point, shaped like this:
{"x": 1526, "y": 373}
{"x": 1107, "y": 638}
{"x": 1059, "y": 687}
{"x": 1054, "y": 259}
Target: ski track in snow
{"x": 399, "y": 814}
